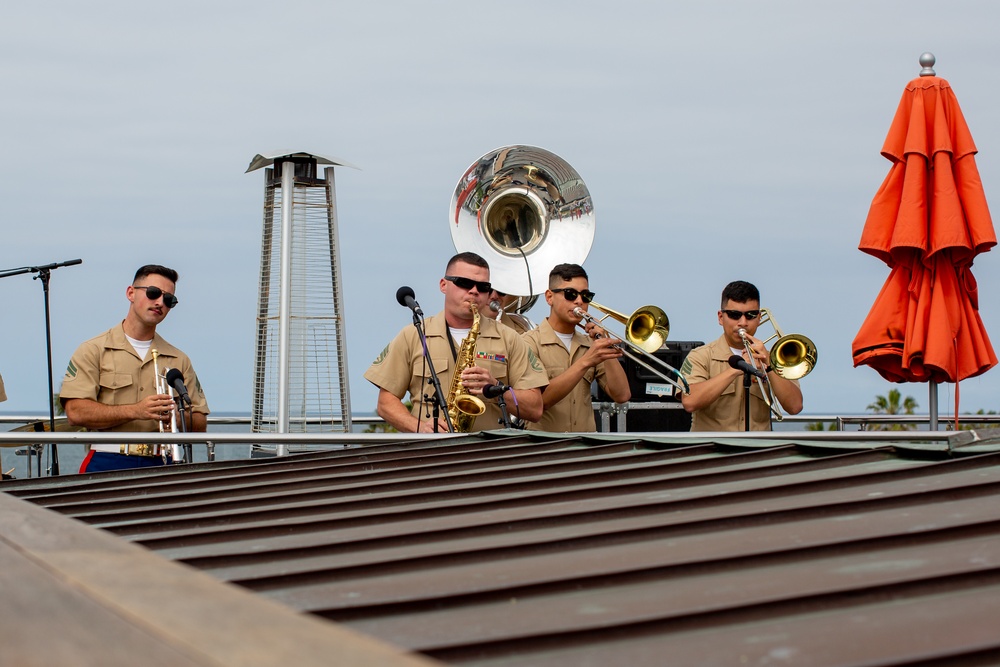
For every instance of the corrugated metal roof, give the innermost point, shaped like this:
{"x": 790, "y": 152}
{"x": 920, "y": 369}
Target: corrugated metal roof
{"x": 632, "y": 549}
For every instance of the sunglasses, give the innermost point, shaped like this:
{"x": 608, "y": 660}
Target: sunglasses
{"x": 571, "y": 294}
{"x": 737, "y": 314}
{"x": 153, "y": 293}
{"x": 467, "y": 284}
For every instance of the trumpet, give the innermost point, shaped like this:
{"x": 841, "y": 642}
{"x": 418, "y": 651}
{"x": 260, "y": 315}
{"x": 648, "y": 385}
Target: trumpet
{"x": 792, "y": 357}
{"x": 644, "y": 325}
{"x": 176, "y": 452}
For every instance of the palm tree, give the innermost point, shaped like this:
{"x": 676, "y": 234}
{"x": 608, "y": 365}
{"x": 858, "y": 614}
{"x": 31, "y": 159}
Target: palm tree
{"x": 819, "y": 426}
{"x": 968, "y": 426}
{"x": 891, "y": 405}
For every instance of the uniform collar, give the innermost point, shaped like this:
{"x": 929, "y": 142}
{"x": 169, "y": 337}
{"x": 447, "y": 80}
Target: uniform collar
{"x": 118, "y": 341}
{"x": 437, "y": 325}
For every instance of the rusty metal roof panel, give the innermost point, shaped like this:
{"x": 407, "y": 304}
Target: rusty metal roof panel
{"x": 571, "y": 550}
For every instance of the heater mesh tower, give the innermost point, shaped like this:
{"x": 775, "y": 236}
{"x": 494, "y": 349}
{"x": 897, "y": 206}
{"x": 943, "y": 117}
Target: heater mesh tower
{"x": 300, "y": 366}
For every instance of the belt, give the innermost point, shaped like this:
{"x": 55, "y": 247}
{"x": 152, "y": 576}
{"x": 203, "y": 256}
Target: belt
{"x": 129, "y": 450}
{"x": 140, "y": 450}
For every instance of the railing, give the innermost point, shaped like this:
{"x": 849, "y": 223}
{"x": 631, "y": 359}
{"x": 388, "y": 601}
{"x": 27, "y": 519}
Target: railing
{"x": 863, "y": 422}
{"x": 32, "y": 443}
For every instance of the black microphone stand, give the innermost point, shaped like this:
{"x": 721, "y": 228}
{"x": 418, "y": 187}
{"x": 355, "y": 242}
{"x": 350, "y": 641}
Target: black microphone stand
{"x": 182, "y": 415}
{"x": 747, "y": 383}
{"x": 504, "y": 415}
{"x": 43, "y": 274}
{"x": 436, "y": 399}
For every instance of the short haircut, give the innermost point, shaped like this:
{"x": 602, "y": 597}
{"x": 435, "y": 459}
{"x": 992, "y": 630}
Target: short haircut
{"x": 467, "y": 258}
{"x": 739, "y": 291}
{"x": 156, "y": 270}
{"x": 565, "y": 273}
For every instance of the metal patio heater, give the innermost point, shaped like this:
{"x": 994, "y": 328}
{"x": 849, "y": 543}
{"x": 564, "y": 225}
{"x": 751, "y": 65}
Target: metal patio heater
{"x": 300, "y": 365}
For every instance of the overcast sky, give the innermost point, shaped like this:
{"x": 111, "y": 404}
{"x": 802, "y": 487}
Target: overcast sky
{"x": 719, "y": 140}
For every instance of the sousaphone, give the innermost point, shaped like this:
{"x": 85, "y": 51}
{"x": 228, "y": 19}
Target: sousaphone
{"x": 524, "y": 210}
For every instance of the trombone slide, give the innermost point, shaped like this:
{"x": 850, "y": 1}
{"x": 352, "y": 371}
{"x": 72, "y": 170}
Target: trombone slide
{"x": 634, "y": 352}
{"x": 765, "y": 391}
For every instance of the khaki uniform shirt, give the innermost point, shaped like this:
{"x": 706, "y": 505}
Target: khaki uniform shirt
{"x": 727, "y": 412}
{"x": 106, "y": 369}
{"x": 400, "y": 368}
{"x": 575, "y": 412}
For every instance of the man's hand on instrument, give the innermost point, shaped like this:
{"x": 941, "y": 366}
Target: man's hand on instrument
{"x": 474, "y": 378}
{"x": 600, "y": 350}
{"x": 759, "y": 351}
{"x": 595, "y": 330}
{"x": 156, "y": 407}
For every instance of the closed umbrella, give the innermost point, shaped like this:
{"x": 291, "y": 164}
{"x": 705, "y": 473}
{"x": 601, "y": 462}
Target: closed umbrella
{"x": 928, "y": 222}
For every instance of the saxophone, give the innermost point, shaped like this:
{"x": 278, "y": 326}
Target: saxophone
{"x": 463, "y": 407}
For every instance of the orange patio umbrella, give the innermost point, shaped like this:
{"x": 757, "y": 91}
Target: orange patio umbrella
{"x": 928, "y": 222}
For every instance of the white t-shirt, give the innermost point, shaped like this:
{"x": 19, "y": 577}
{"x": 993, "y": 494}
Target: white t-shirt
{"x": 141, "y": 347}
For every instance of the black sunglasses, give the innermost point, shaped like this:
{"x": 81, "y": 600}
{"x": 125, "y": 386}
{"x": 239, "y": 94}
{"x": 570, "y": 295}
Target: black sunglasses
{"x": 737, "y": 314}
{"x": 153, "y": 293}
{"x": 571, "y": 294}
{"x": 467, "y": 284}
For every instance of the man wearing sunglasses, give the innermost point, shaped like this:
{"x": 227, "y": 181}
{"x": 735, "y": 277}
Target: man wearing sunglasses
{"x": 110, "y": 384}
{"x": 501, "y": 358}
{"x": 716, "y": 398}
{"x": 573, "y": 359}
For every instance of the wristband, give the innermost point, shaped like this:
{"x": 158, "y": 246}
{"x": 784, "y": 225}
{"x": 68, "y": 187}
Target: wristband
{"x": 769, "y": 368}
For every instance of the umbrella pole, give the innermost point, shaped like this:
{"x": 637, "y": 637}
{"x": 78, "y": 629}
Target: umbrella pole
{"x": 932, "y": 404}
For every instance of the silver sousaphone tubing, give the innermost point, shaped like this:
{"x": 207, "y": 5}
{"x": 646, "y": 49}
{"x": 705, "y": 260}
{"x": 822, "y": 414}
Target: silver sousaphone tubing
{"x": 524, "y": 210}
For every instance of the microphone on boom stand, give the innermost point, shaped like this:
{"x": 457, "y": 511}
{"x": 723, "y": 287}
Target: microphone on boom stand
{"x": 406, "y": 297}
{"x": 497, "y": 391}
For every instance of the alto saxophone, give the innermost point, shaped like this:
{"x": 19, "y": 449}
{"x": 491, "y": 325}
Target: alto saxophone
{"x": 463, "y": 407}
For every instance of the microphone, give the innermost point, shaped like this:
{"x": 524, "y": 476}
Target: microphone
{"x": 404, "y": 295}
{"x": 736, "y": 361}
{"x": 495, "y": 390}
{"x": 176, "y": 380}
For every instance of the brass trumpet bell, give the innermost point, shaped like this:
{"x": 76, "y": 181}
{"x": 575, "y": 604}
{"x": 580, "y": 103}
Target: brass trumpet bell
{"x": 647, "y": 328}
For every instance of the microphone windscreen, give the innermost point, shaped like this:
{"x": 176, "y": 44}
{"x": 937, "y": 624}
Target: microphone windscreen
{"x": 494, "y": 390}
{"x": 173, "y": 375}
{"x": 404, "y": 292}
{"x": 735, "y": 360}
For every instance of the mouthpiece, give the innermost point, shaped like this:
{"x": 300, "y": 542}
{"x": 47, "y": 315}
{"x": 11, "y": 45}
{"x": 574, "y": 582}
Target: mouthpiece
{"x": 495, "y": 305}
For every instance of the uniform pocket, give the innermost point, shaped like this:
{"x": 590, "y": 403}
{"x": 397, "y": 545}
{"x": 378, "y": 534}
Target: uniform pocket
{"x": 117, "y": 389}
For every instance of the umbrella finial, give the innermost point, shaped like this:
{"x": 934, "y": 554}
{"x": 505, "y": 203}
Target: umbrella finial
{"x": 927, "y": 61}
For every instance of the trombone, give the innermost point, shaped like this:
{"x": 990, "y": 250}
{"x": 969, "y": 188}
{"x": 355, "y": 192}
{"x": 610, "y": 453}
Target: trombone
{"x": 645, "y": 332}
{"x": 792, "y": 357}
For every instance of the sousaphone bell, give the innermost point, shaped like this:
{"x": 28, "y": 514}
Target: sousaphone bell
{"x": 524, "y": 210}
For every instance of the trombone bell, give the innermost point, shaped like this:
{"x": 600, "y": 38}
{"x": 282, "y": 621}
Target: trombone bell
{"x": 646, "y": 328}
{"x": 793, "y": 356}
